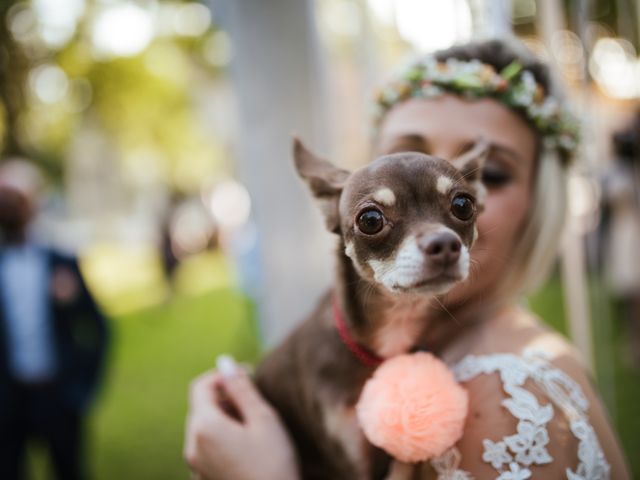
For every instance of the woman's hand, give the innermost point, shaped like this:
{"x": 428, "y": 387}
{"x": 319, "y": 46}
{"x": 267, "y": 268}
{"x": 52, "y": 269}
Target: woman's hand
{"x": 233, "y": 433}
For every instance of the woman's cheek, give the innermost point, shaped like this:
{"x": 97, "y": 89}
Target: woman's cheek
{"x": 500, "y": 222}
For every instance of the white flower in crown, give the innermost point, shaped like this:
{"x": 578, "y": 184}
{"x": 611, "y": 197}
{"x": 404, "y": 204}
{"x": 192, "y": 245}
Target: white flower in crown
{"x": 567, "y": 142}
{"x": 430, "y": 91}
{"x": 524, "y": 92}
{"x": 546, "y": 110}
{"x": 390, "y": 96}
{"x": 468, "y": 68}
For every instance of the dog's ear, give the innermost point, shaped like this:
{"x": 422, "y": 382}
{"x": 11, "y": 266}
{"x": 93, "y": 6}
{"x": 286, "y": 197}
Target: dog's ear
{"x": 471, "y": 163}
{"x": 325, "y": 181}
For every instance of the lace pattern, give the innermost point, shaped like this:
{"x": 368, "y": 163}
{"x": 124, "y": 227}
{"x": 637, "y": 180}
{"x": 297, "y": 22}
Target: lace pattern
{"x": 446, "y": 466}
{"x": 513, "y": 455}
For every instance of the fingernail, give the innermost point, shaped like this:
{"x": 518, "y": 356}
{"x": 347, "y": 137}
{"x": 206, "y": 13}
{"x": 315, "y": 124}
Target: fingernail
{"x": 226, "y": 365}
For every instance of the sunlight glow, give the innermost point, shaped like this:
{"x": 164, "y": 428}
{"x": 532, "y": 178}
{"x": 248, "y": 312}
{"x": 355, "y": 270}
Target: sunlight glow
{"x": 383, "y": 10}
{"x": 567, "y": 47}
{"x": 616, "y": 68}
{"x": 49, "y": 83}
{"x": 192, "y": 19}
{"x": 122, "y": 30}
{"x": 427, "y": 24}
{"x": 191, "y": 228}
{"x": 58, "y": 19}
{"x": 22, "y": 21}
{"x": 217, "y": 49}
{"x": 230, "y": 204}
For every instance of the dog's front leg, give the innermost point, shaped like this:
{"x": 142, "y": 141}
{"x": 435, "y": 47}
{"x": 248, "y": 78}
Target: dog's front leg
{"x": 400, "y": 471}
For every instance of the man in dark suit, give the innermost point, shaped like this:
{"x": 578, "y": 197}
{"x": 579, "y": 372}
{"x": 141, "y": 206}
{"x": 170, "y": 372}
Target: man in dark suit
{"x": 52, "y": 338}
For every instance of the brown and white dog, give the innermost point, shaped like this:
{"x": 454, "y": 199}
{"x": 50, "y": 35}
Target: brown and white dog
{"x": 406, "y": 223}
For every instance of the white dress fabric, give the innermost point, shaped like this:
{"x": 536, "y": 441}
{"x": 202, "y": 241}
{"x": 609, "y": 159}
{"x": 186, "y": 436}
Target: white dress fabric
{"x": 515, "y": 456}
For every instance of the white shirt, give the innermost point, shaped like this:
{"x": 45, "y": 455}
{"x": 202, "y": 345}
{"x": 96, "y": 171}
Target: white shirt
{"x": 24, "y": 284}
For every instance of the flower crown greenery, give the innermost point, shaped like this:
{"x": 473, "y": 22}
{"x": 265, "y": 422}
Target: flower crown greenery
{"x": 514, "y": 86}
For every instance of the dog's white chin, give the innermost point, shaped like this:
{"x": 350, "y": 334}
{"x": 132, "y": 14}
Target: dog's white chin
{"x": 409, "y": 271}
{"x": 433, "y": 286}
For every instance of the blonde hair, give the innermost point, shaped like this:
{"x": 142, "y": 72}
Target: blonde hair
{"x": 535, "y": 253}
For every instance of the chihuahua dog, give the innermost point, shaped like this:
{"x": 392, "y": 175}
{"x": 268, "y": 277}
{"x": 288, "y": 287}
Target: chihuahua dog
{"x": 406, "y": 223}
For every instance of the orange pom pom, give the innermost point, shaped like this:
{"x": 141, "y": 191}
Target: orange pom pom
{"x": 412, "y": 407}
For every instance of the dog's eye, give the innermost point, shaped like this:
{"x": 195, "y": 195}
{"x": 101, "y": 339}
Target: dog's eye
{"x": 462, "y": 207}
{"x": 370, "y": 222}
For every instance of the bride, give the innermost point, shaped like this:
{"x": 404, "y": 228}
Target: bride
{"x": 533, "y": 410}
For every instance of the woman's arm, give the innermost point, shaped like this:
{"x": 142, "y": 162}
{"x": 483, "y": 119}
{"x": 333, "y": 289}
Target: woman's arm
{"x": 490, "y": 420}
{"x": 233, "y": 434}
{"x": 598, "y": 417}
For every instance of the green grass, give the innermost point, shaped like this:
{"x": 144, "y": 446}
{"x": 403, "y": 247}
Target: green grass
{"x": 138, "y": 424}
{"x": 617, "y": 380}
{"x": 548, "y": 304}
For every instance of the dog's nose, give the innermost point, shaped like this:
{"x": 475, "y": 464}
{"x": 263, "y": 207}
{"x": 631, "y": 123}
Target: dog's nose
{"x": 442, "y": 248}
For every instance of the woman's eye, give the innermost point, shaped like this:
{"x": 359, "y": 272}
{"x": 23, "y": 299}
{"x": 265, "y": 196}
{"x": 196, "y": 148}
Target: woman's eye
{"x": 493, "y": 178}
{"x": 462, "y": 207}
{"x": 370, "y": 222}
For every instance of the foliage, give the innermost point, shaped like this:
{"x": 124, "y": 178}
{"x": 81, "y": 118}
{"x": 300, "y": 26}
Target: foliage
{"x": 145, "y": 104}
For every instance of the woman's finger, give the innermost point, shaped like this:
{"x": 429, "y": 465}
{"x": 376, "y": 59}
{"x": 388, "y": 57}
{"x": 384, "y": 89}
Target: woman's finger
{"x": 202, "y": 390}
{"x": 241, "y": 391}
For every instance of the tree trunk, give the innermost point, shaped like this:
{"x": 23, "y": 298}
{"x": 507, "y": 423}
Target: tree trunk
{"x": 14, "y": 68}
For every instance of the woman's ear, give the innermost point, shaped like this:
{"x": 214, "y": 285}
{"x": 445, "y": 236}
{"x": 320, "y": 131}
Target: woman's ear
{"x": 325, "y": 181}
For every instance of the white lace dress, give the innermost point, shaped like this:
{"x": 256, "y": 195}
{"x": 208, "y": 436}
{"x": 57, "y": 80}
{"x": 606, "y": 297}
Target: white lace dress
{"x": 514, "y": 455}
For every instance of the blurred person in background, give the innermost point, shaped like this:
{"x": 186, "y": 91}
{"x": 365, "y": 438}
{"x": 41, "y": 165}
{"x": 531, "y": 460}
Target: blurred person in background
{"x": 621, "y": 192}
{"x": 168, "y": 256}
{"x": 52, "y": 337}
{"x": 534, "y": 412}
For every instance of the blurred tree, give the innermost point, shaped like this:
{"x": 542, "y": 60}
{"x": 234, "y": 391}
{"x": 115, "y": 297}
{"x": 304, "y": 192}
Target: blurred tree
{"x": 147, "y": 103}
{"x": 14, "y": 67}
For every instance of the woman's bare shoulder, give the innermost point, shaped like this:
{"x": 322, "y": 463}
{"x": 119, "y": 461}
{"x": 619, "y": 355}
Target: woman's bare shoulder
{"x": 533, "y": 406}
{"x": 515, "y": 330}
{"x": 513, "y": 427}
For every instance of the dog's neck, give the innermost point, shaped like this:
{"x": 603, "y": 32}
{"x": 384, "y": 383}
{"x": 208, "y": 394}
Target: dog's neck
{"x": 388, "y": 325}
{"x": 383, "y": 323}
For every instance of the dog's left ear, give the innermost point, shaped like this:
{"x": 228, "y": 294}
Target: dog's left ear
{"x": 325, "y": 181}
{"x": 471, "y": 164}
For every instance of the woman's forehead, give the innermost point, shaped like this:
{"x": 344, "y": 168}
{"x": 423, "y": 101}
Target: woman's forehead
{"x": 447, "y": 123}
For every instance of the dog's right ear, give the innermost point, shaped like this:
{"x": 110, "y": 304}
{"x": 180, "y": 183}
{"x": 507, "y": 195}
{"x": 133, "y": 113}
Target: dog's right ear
{"x": 325, "y": 181}
{"x": 471, "y": 164}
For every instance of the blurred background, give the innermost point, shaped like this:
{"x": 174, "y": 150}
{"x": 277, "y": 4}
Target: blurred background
{"x": 164, "y": 127}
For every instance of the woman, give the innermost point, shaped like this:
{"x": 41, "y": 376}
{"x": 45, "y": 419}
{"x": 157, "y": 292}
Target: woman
{"x": 533, "y": 411}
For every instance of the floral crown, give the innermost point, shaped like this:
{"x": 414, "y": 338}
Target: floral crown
{"x": 513, "y": 86}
